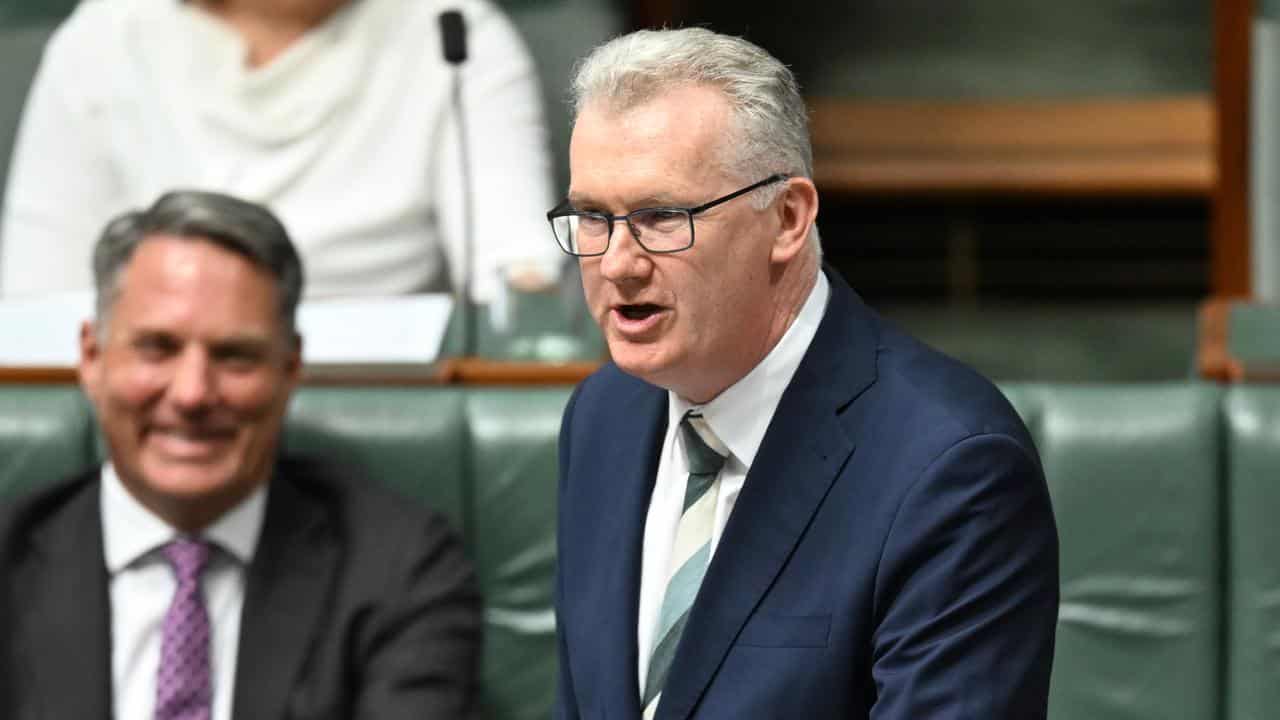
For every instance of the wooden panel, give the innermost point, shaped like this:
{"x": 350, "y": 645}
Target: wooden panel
{"x": 38, "y": 376}
{"x": 1229, "y": 233}
{"x": 455, "y": 371}
{"x": 1159, "y": 147}
{"x": 1213, "y": 359}
{"x": 479, "y": 371}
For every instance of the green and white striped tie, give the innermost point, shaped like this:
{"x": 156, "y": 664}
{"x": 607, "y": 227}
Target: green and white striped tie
{"x": 691, "y": 553}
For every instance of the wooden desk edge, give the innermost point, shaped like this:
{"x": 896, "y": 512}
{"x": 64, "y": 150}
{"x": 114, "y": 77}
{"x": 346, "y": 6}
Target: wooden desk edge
{"x": 1213, "y": 359}
{"x": 452, "y": 371}
{"x": 481, "y": 371}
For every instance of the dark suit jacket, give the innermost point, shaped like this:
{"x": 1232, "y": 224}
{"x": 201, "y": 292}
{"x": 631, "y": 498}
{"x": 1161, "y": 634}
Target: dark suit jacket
{"x": 357, "y": 605}
{"x": 892, "y": 554}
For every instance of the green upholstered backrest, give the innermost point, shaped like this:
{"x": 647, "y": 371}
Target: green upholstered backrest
{"x": 513, "y": 519}
{"x": 46, "y": 433}
{"x": 1252, "y": 332}
{"x": 1134, "y": 475}
{"x": 27, "y": 12}
{"x": 25, "y": 26}
{"x": 21, "y": 45}
{"x": 1252, "y": 416}
{"x": 1134, "y": 471}
{"x": 487, "y": 458}
{"x": 407, "y": 437}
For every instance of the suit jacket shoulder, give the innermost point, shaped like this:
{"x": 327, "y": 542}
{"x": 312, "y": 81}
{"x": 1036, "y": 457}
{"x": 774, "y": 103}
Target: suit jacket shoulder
{"x": 361, "y": 510}
{"x": 22, "y": 515}
{"x": 607, "y": 391}
{"x": 935, "y": 396}
{"x": 359, "y": 602}
{"x": 54, "y": 613}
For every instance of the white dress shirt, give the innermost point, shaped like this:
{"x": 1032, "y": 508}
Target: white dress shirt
{"x": 739, "y": 417}
{"x": 142, "y": 587}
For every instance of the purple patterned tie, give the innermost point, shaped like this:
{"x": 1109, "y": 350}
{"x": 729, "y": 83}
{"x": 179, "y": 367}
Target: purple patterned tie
{"x": 182, "y": 683}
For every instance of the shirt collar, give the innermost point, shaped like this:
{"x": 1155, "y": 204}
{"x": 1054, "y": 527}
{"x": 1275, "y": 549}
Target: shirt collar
{"x": 131, "y": 531}
{"x": 740, "y": 415}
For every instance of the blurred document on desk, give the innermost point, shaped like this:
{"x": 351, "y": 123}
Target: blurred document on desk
{"x": 43, "y": 331}
{"x": 405, "y": 329}
{"x": 374, "y": 330}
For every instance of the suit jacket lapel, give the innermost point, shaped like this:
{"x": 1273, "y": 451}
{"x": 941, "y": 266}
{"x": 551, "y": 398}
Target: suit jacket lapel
{"x": 627, "y": 469}
{"x": 801, "y": 454}
{"x": 67, "y": 633}
{"x": 292, "y": 571}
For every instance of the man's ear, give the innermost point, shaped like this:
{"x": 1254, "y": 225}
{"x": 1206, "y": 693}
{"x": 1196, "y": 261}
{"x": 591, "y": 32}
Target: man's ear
{"x": 90, "y": 368}
{"x": 797, "y": 209}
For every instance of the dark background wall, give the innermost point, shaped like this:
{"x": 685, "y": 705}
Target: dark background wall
{"x": 969, "y": 248}
{"x": 979, "y": 48}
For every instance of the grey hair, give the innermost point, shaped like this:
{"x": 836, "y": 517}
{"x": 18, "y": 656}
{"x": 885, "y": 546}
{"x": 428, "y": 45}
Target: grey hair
{"x": 242, "y": 227}
{"x": 766, "y": 109}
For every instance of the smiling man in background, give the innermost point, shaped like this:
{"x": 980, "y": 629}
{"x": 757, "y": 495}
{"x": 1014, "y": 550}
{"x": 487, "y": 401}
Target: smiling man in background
{"x": 198, "y": 574}
{"x": 773, "y": 504}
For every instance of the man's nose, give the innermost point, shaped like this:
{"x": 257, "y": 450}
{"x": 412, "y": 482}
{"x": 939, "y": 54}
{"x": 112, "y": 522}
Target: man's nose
{"x": 193, "y": 385}
{"x": 624, "y": 259}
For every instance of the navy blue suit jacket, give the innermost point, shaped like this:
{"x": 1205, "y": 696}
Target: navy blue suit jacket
{"x": 892, "y": 555}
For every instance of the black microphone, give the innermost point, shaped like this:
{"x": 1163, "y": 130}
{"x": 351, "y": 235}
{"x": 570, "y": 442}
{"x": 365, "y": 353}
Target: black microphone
{"x": 453, "y": 31}
{"x": 453, "y": 40}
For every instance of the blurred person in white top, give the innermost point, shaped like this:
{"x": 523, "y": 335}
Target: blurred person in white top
{"x": 335, "y": 113}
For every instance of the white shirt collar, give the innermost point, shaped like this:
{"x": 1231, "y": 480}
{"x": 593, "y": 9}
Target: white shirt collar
{"x": 131, "y": 531}
{"x": 740, "y": 415}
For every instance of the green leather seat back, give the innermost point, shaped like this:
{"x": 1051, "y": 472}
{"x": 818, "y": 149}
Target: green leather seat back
{"x": 46, "y": 435}
{"x": 25, "y": 27}
{"x": 1133, "y": 471}
{"x": 25, "y": 12}
{"x": 407, "y": 437}
{"x": 21, "y": 46}
{"x": 427, "y": 442}
{"x": 1253, "y": 508}
{"x": 1251, "y": 332}
{"x": 513, "y": 504}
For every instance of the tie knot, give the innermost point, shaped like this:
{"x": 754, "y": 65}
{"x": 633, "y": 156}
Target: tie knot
{"x": 188, "y": 556}
{"x": 698, "y": 441}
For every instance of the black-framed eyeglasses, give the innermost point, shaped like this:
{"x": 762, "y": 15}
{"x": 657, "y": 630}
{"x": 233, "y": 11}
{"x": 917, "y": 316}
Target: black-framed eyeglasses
{"x": 657, "y": 229}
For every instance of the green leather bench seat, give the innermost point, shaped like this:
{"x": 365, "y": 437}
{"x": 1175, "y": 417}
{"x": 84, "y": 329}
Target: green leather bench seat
{"x": 1133, "y": 472}
{"x": 25, "y": 27}
{"x": 1136, "y": 473}
{"x": 46, "y": 433}
{"x": 500, "y": 490}
{"x": 1253, "y": 512}
{"x": 485, "y": 458}
{"x": 513, "y": 500}
{"x": 407, "y": 437}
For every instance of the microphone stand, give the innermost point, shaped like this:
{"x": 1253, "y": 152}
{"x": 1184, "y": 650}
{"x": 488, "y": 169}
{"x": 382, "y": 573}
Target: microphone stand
{"x": 469, "y": 340}
{"x": 454, "y": 44}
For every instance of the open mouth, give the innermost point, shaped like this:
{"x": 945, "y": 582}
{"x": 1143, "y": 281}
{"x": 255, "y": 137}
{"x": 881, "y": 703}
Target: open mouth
{"x": 638, "y": 312}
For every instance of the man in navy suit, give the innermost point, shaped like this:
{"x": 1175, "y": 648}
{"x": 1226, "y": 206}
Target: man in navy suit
{"x": 773, "y": 503}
